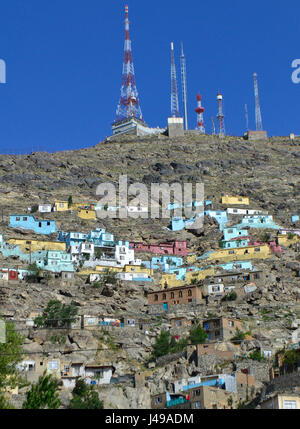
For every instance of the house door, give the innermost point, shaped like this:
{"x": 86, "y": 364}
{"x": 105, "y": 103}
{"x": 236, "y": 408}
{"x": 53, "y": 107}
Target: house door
{"x": 165, "y": 306}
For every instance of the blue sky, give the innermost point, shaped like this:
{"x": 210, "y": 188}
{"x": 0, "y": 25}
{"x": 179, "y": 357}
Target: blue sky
{"x": 64, "y": 64}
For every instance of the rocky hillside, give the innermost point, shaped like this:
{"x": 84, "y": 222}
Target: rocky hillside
{"x": 265, "y": 171}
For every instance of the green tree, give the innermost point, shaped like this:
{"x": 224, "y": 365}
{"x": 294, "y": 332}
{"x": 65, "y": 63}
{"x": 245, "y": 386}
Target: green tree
{"x": 34, "y": 275}
{"x": 11, "y": 353}
{"x": 257, "y": 355}
{"x": 232, "y": 296}
{"x": 290, "y": 360}
{"x": 43, "y": 394}
{"x": 197, "y": 335}
{"x": 57, "y": 315}
{"x": 239, "y": 336}
{"x": 85, "y": 397}
{"x": 265, "y": 237}
{"x": 70, "y": 201}
{"x": 166, "y": 344}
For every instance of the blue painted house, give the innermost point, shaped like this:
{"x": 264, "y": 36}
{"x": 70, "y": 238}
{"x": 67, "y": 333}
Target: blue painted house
{"x": 258, "y": 221}
{"x": 231, "y": 233}
{"x": 219, "y": 216}
{"x": 237, "y": 265}
{"x": 31, "y": 223}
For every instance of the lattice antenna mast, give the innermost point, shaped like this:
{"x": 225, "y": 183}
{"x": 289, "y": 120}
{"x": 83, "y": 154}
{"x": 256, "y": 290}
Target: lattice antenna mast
{"x": 247, "y": 117}
{"x": 259, "y": 125}
{"x": 213, "y": 126}
{"x": 174, "y": 92}
{"x": 200, "y": 110}
{"x": 220, "y": 115}
{"x": 184, "y": 85}
{"x": 129, "y": 105}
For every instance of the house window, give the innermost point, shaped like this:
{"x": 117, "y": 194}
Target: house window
{"x": 257, "y": 276}
{"x": 17, "y": 219}
{"x": 53, "y": 365}
{"x": 197, "y": 392}
{"x": 158, "y": 400}
{"x": 197, "y": 405}
{"x": 40, "y": 224}
{"x": 25, "y": 219}
{"x": 172, "y": 295}
{"x": 190, "y": 293}
{"x": 290, "y": 405}
{"x": 155, "y": 297}
{"x": 164, "y": 296}
{"x": 180, "y": 295}
{"x": 48, "y": 223}
{"x": 257, "y": 249}
{"x": 231, "y": 252}
{"x": 217, "y": 333}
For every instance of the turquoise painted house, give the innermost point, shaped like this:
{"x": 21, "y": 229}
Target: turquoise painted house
{"x": 258, "y": 221}
{"x": 56, "y": 262}
{"x": 99, "y": 237}
{"x": 237, "y": 265}
{"x": 31, "y": 223}
{"x": 231, "y": 233}
{"x": 219, "y": 216}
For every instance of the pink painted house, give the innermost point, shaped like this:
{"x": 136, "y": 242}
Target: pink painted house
{"x": 178, "y": 248}
{"x": 274, "y": 247}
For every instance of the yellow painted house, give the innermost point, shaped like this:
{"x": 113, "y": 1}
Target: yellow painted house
{"x": 170, "y": 280}
{"x": 243, "y": 253}
{"x": 286, "y": 240}
{"x": 237, "y": 200}
{"x": 61, "y": 206}
{"x": 86, "y": 213}
{"x": 31, "y": 246}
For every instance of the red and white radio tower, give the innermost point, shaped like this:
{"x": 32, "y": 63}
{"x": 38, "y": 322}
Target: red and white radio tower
{"x": 129, "y": 105}
{"x": 220, "y": 115}
{"x": 200, "y": 110}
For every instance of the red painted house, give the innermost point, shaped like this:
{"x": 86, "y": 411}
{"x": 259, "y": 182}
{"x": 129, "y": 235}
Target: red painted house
{"x": 178, "y": 248}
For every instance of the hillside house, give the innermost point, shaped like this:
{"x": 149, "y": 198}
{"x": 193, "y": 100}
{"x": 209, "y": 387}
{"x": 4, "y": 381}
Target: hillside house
{"x": 282, "y": 401}
{"x": 238, "y": 265}
{"x": 237, "y": 254}
{"x": 290, "y": 231}
{"x": 236, "y": 201}
{"x": 56, "y": 261}
{"x": 238, "y": 212}
{"x": 86, "y": 213}
{"x": 82, "y": 251}
{"x": 29, "y": 222}
{"x": 219, "y": 216}
{"x": 67, "y": 279}
{"x": 32, "y": 246}
{"x": 45, "y": 208}
{"x": 234, "y": 233}
{"x": 222, "y": 350}
{"x": 221, "y": 328}
{"x": 162, "y": 301}
{"x": 178, "y": 248}
{"x": 258, "y": 221}
{"x": 72, "y": 238}
{"x": 61, "y": 206}
{"x": 13, "y": 274}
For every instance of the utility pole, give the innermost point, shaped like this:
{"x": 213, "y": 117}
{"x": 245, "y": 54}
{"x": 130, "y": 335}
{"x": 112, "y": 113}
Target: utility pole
{"x": 174, "y": 91}
{"x": 184, "y": 85}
